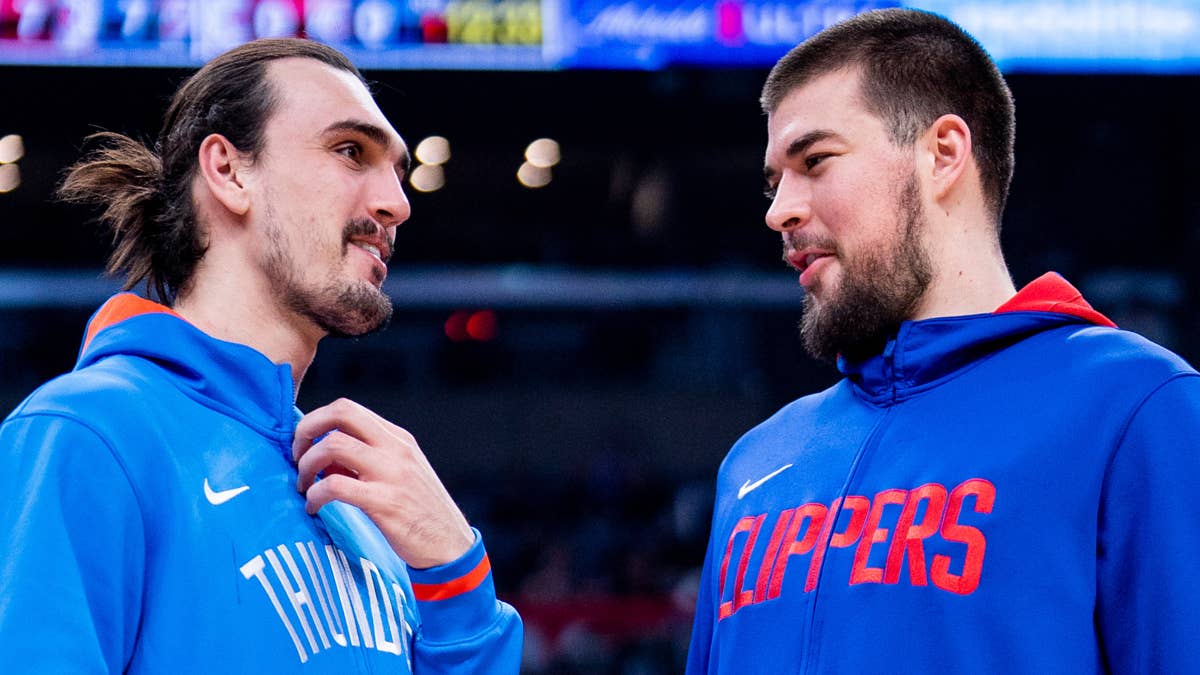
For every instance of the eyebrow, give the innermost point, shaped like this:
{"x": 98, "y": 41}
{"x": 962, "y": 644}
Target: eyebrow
{"x": 799, "y": 146}
{"x": 373, "y": 133}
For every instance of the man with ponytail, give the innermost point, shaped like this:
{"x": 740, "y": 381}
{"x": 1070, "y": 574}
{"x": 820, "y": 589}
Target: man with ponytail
{"x": 165, "y": 506}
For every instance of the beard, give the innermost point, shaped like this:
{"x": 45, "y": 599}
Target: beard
{"x": 339, "y": 307}
{"x": 878, "y": 290}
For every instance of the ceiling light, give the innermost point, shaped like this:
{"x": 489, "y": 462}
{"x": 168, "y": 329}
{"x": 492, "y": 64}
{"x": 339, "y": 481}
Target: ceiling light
{"x": 433, "y": 150}
{"x": 428, "y": 177}
{"x": 533, "y": 176}
{"x": 12, "y": 148}
{"x": 10, "y": 178}
{"x": 543, "y": 153}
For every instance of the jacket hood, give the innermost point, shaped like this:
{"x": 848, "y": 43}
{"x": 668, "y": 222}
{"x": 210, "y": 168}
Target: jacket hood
{"x": 232, "y": 378}
{"x": 923, "y": 352}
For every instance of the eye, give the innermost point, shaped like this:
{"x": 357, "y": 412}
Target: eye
{"x": 811, "y": 161}
{"x": 352, "y": 151}
{"x": 769, "y": 192}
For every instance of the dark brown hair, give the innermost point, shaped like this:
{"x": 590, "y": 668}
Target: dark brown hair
{"x": 915, "y": 67}
{"x": 147, "y": 193}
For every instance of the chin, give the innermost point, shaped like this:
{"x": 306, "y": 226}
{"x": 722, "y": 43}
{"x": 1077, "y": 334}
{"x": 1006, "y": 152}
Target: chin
{"x": 364, "y": 311}
{"x": 357, "y": 309}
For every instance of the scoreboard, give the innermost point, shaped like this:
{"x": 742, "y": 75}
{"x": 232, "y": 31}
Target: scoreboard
{"x": 1022, "y": 35}
{"x": 375, "y": 33}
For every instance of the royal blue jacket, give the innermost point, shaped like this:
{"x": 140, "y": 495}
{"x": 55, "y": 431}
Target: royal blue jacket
{"x": 150, "y": 523}
{"x": 1005, "y": 493}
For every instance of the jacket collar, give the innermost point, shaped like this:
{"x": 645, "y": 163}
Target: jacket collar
{"x": 229, "y": 377}
{"x": 923, "y": 352}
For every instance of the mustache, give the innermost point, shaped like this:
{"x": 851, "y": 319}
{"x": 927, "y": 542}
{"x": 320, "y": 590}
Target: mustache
{"x": 794, "y": 241}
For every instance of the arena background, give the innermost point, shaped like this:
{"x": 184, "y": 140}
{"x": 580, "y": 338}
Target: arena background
{"x": 576, "y": 359}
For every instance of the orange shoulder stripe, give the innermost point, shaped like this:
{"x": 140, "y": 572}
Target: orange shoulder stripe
{"x": 455, "y": 587}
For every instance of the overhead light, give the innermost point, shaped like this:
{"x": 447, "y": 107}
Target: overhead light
{"x": 433, "y": 150}
{"x": 543, "y": 153}
{"x": 12, "y": 148}
{"x": 10, "y": 177}
{"x": 428, "y": 177}
{"x": 533, "y": 176}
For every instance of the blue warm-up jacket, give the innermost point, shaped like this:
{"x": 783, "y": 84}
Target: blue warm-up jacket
{"x": 1005, "y": 493}
{"x": 150, "y": 523}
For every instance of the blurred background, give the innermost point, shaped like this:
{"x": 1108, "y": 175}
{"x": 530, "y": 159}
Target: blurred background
{"x": 590, "y": 310}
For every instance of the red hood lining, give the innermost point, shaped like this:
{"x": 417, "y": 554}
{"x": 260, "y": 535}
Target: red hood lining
{"x": 1052, "y": 293}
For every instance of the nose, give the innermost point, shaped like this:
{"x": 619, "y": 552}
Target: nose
{"x": 792, "y": 206}
{"x": 387, "y": 202}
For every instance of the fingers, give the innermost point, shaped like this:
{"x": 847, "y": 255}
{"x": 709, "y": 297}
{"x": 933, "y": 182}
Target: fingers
{"x": 372, "y": 464}
{"x": 337, "y": 453}
{"x": 342, "y": 414}
{"x": 337, "y": 488}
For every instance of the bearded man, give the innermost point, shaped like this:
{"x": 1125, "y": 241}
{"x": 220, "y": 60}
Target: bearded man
{"x": 165, "y": 507}
{"x": 1002, "y": 481}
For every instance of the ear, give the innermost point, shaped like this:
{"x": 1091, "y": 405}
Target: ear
{"x": 224, "y": 171}
{"x": 948, "y": 142}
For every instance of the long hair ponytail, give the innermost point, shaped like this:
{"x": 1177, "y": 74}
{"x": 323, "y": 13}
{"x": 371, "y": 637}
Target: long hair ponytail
{"x": 125, "y": 178}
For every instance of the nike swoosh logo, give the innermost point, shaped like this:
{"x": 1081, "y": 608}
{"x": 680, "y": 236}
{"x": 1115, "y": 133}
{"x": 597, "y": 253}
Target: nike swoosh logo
{"x": 218, "y": 498}
{"x": 749, "y": 487}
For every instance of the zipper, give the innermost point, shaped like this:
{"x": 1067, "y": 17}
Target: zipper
{"x": 360, "y": 655}
{"x": 809, "y": 660}
{"x": 889, "y": 366}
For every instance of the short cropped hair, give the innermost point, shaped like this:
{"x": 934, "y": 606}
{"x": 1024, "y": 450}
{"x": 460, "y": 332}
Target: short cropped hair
{"x": 146, "y": 193}
{"x": 914, "y": 67}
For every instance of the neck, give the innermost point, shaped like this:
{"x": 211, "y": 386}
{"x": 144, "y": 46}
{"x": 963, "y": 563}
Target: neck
{"x": 969, "y": 273}
{"x": 228, "y": 308}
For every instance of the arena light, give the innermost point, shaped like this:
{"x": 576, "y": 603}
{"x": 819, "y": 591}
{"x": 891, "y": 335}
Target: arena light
{"x": 483, "y": 326}
{"x": 428, "y": 177}
{"x": 456, "y": 326}
{"x": 466, "y": 326}
{"x": 533, "y": 177}
{"x": 434, "y": 150}
{"x": 10, "y": 178}
{"x": 12, "y": 148}
{"x": 543, "y": 153}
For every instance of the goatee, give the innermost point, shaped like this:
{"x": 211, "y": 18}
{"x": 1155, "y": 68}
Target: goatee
{"x": 878, "y": 290}
{"x": 341, "y": 308}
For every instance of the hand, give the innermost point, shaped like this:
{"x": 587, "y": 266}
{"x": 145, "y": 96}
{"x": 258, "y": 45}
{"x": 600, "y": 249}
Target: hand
{"x": 377, "y": 466}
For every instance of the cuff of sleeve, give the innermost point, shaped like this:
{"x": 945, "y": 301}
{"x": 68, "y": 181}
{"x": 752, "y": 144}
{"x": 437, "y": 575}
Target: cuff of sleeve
{"x": 458, "y": 599}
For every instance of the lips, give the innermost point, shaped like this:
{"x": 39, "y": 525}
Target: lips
{"x": 802, "y": 259}
{"x": 808, "y": 261}
{"x": 378, "y": 246}
{"x": 370, "y": 248}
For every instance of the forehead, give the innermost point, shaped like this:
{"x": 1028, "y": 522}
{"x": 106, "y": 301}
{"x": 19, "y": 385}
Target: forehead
{"x": 313, "y": 95}
{"x": 829, "y": 102}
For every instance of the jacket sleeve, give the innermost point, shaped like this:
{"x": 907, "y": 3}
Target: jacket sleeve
{"x": 73, "y": 544}
{"x": 464, "y": 627}
{"x": 1148, "y": 604}
{"x": 699, "y": 652}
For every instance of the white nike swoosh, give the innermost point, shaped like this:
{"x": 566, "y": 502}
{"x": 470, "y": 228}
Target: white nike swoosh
{"x": 749, "y": 487}
{"x": 217, "y": 498}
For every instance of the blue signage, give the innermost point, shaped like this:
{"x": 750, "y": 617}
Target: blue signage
{"x": 1030, "y": 35}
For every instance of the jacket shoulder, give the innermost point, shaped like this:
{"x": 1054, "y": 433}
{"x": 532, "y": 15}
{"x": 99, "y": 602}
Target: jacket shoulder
{"x": 117, "y": 388}
{"x": 1109, "y": 353}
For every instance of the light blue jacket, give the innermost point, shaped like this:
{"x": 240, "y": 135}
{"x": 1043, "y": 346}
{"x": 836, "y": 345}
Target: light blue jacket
{"x": 149, "y": 523}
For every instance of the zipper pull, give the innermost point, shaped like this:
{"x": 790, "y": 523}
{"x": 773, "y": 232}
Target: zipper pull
{"x": 889, "y": 365}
